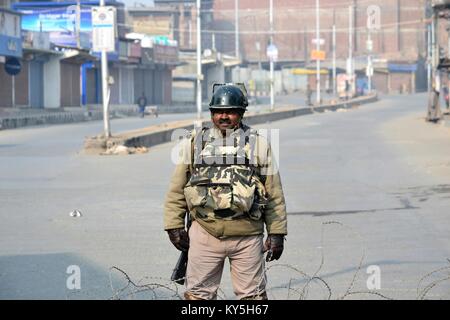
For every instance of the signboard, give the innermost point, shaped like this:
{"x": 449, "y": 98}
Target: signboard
{"x": 318, "y": 55}
{"x": 272, "y": 52}
{"x": 12, "y": 66}
{"x": 303, "y": 71}
{"x": 165, "y": 54}
{"x": 59, "y": 22}
{"x": 134, "y": 50}
{"x": 103, "y": 29}
{"x": 369, "y": 71}
{"x": 157, "y": 25}
{"x": 321, "y": 41}
{"x": 369, "y": 45}
{"x": 147, "y": 56}
{"x": 10, "y": 34}
{"x": 373, "y": 17}
{"x": 37, "y": 40}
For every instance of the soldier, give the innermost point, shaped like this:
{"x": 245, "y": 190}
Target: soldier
{"x": 231, "y": 189}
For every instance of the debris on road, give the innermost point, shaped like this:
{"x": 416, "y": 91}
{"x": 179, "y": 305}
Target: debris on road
{"x": 75, "y": 214}
{"x": 124, "y": 150}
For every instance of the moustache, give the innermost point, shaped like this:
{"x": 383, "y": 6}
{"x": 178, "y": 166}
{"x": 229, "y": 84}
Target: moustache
{"x": 224, "y": 121}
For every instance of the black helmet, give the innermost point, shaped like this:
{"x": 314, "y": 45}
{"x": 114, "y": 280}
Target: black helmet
{"x": 229, "y": 96}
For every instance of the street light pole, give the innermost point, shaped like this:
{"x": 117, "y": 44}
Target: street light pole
{"x": 369, "y": 61}
{"x": 272, "y": 93}
{"x": 105, "y": 89}
{"x": 318, "y": 98}
{"x": 350, "y": 52}
{"x": 199, "y": 64}
{"x": 77, "y": 24}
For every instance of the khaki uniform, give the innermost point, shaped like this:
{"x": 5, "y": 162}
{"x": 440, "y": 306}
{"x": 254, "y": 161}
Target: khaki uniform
{"x": 231, "y": 190}
{"x": 244, "y": 223}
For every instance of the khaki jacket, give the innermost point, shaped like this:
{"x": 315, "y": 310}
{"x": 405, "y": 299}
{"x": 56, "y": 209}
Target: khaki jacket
{"x": 274, "y": 216}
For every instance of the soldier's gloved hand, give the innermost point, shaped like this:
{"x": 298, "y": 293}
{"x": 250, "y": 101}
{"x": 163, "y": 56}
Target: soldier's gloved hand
{"x": 274, "y": 245}
{"x": 179, "y": 238}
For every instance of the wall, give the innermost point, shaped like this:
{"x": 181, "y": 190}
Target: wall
{"x": 405, "y": 40}
{"x": 52, "y": 83}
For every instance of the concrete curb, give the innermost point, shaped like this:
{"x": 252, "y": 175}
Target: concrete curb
{"x": 162, "y": 133}
{"x": 62, "y": 117}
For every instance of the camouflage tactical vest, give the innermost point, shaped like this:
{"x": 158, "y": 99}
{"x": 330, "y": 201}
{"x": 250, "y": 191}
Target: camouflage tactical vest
{"x": 225, "y": 181}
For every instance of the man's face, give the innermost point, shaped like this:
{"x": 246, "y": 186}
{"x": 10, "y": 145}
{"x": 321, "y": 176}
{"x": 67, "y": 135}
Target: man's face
{"x": 226, "y": 119}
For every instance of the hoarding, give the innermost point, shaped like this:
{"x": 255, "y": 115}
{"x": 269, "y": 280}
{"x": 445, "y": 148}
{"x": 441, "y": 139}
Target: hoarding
{"x": 60, "y": 23}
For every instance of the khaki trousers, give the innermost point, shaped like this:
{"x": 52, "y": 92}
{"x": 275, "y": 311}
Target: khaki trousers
{"x": 206, "y": 260}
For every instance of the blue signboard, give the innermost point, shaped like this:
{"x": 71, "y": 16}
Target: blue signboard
{"x": 12, "y": 66}
{"x": 10, "y": 47}
{"x": 397, "y": 67}
{"x": 59, "y": 20}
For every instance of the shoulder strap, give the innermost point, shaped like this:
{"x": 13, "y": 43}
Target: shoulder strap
{"x": 194, "y": 138}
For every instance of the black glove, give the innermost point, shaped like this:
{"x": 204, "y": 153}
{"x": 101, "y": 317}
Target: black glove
{"x": 274, "y": 244}
{"x": 179, "y": 238}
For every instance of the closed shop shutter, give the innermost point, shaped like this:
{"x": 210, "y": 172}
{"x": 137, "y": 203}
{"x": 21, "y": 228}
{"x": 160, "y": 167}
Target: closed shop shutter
{"x": 126, "y": 86}
{"x": 70, "y": 85}
{"x": 167, "y": 87}
{"x": 159, "y": 80}
{"x": 139, "y": 81}
{"x": 91, "y": 86}
{"x": 380, "y": 82}
{"x": 22, "y": 85}
{"x": 5, "y": 88}
{"x": 400, "y": 82}
{"x": 150, "y": 85}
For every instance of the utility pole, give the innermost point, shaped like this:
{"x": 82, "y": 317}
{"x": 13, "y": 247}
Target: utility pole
{"x": 77, "y": 24}
{"x": 105, "y": 88}
{"x": 350, "y": 51}
{"x": 429, "y": 57}
{"x": 318, "y": 98}
{"x": 199, "y": 64}
{"x": 369, "y": 61}
{"x": 236, "y": 29}
{"x": 334, "y": 60}
{"x": 272, "y": 94}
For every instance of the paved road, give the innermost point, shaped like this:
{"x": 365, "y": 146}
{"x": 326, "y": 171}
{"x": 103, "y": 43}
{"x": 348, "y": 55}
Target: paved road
{"x": 367, "y": 187}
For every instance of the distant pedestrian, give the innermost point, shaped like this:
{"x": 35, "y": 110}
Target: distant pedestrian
{"x": 142, "y": 103}
{"x": 308, "y": 95}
